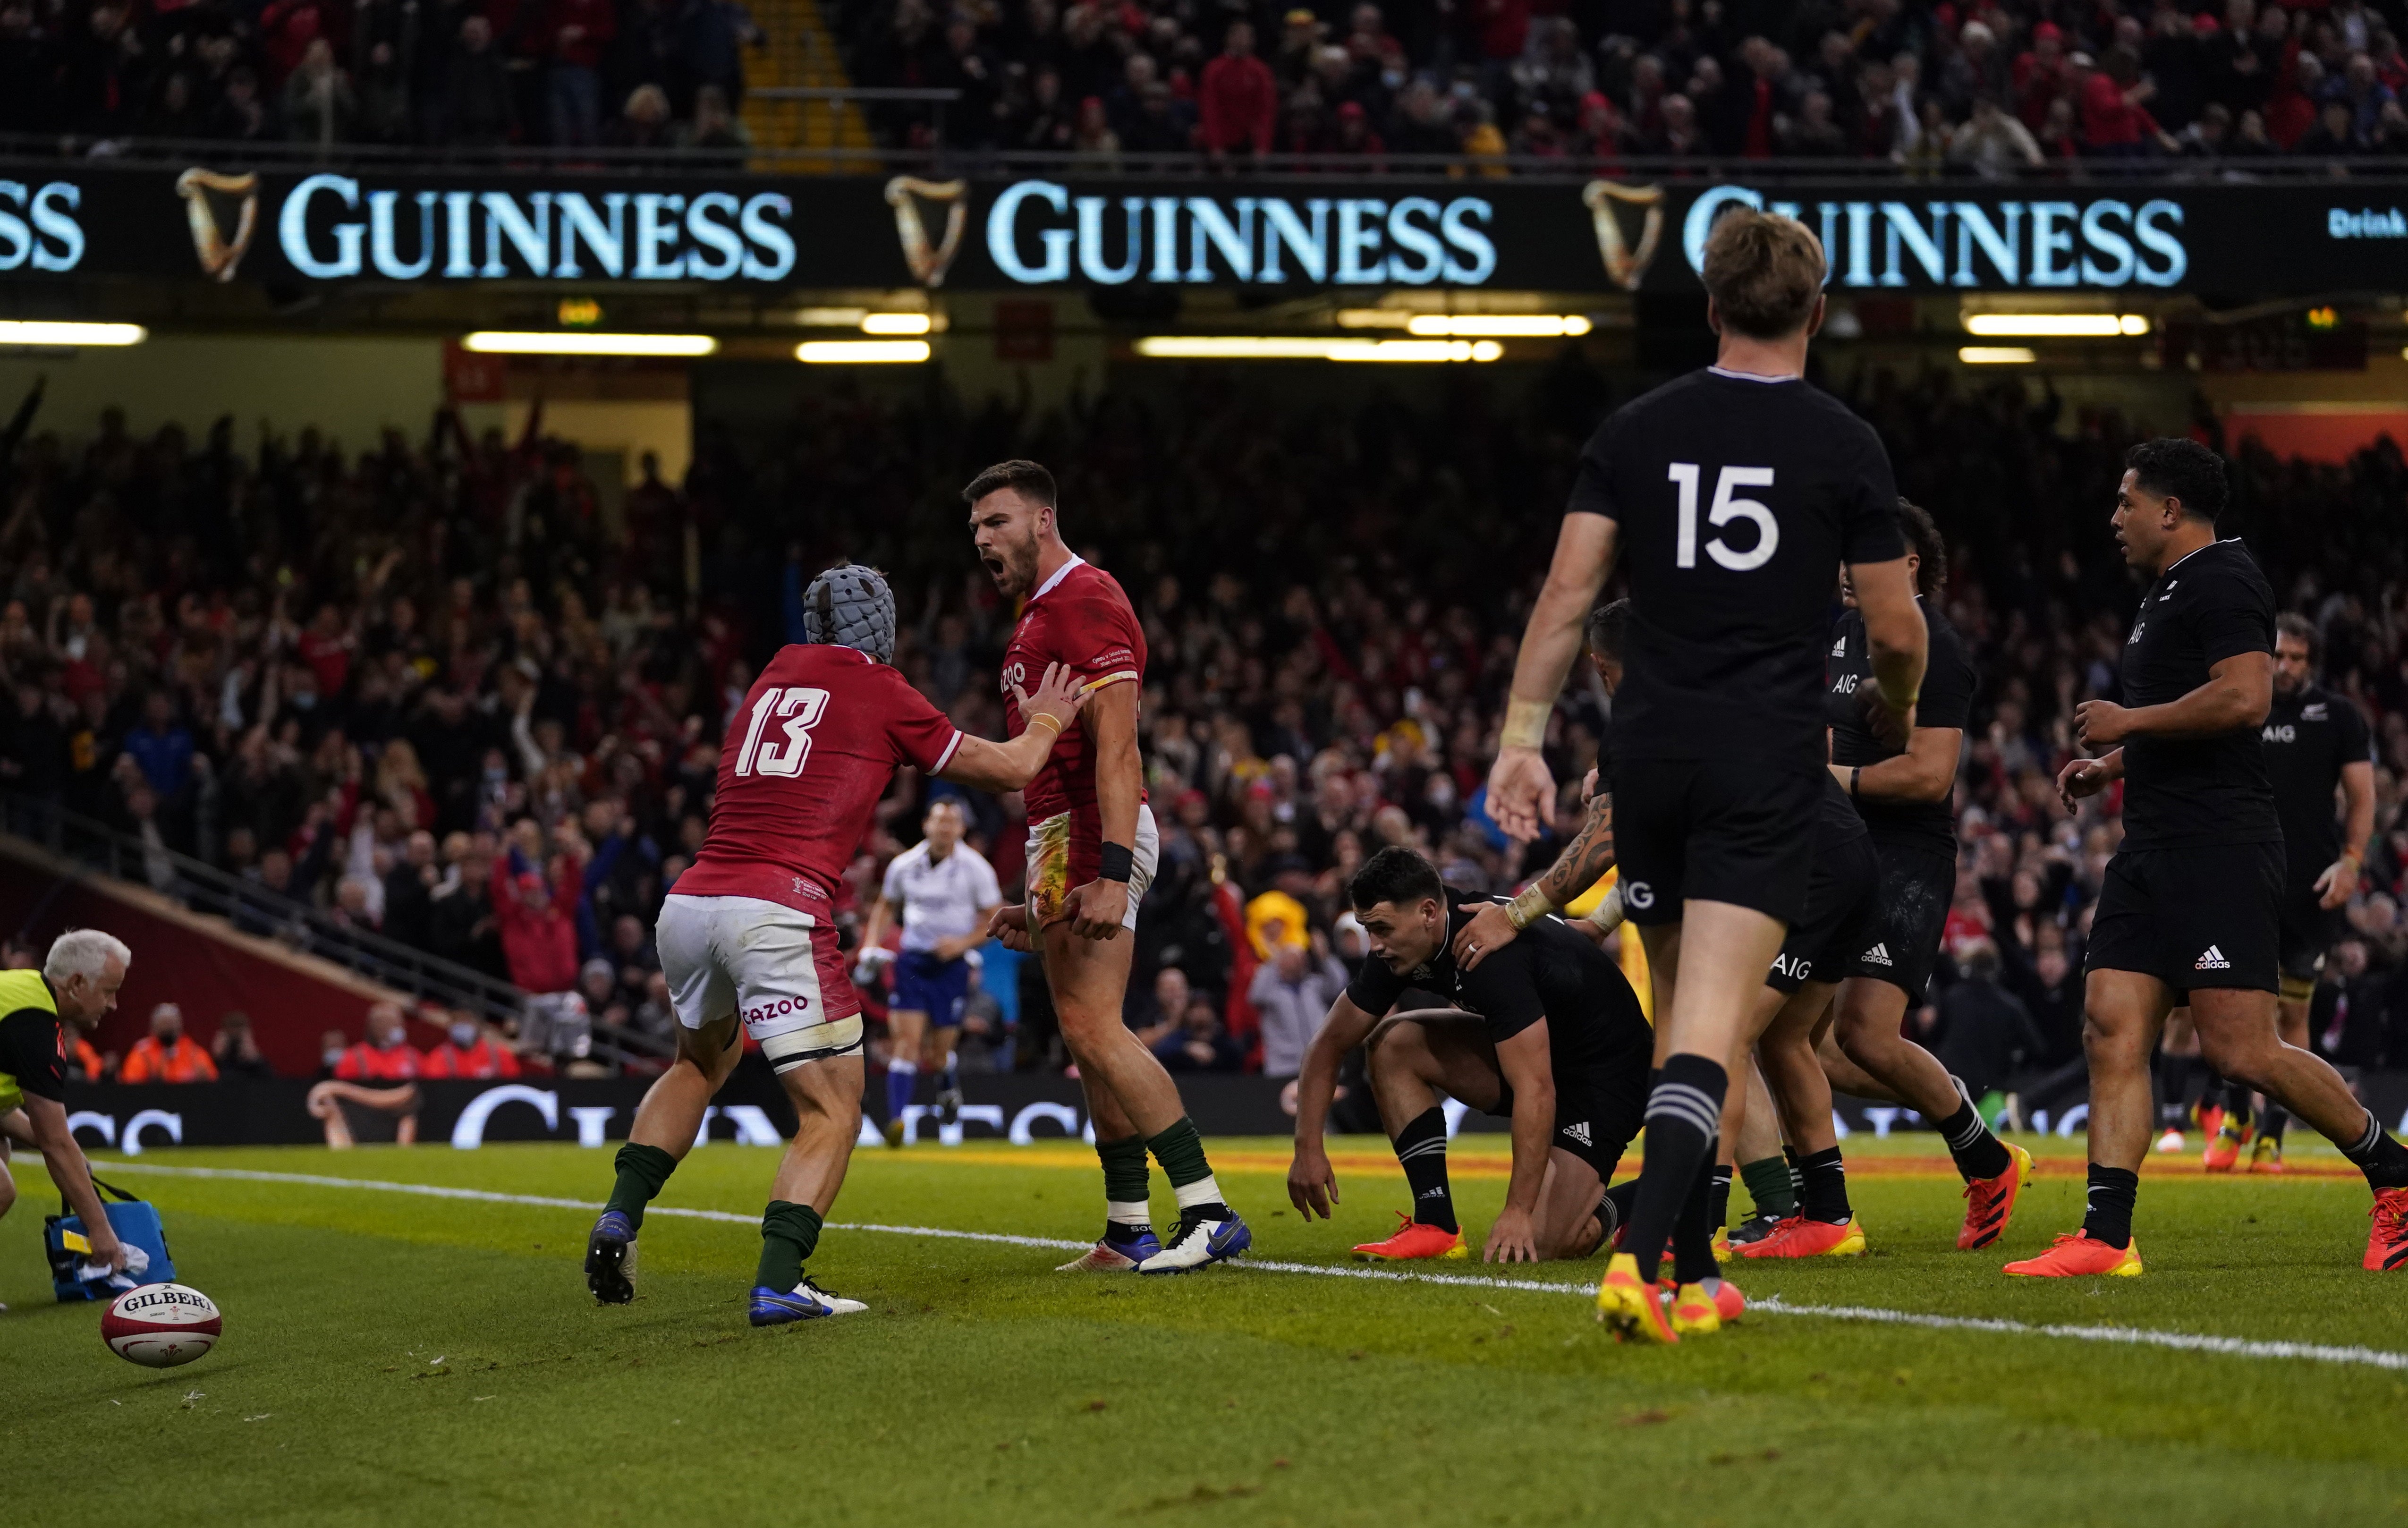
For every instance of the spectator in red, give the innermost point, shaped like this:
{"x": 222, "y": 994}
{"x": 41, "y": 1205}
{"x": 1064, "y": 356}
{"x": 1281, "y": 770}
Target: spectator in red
{"x": 2291, "y": 110}
{"x": 577, "y": 33}
{"x": 2114, "y": 120}
{"x": 167, "y": 1054}
{"x": 538, "y": 928}
{"x": 1239, "y": 98}
{"x": 2041, "y": 75}
{"x": 386, "y": 1056}
{"x": 378, "y": 1075}
{"x": 468, "y": 1050}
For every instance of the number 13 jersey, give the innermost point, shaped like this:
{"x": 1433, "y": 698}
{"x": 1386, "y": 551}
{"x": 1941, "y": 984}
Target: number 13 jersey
{"x": 1736, "y": 499}
{"x": 804, "y": 763}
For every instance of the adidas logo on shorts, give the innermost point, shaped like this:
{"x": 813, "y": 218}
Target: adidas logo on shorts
{"x": 1877, "y": 955}
{"x": 2213, "y": 959}
{"x": 1577, "y": 1131}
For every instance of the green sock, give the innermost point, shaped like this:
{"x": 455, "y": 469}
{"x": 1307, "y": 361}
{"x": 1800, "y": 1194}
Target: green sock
{"x": 642, "y": 1170}
{"x": 1125, "y": 1189}
{"x": 1768, "y": 1184}
{"x": 1181, "y": 1152}
{"x": 788, "y": 1235}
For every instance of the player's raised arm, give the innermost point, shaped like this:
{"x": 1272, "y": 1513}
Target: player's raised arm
{"x": 1519, "y": 785}
{"x": 1009, "y": 766}
{"x": 1312, "y": 1182}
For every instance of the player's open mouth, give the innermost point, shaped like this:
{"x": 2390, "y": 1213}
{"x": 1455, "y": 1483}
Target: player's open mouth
{"x": 993, "y": 566}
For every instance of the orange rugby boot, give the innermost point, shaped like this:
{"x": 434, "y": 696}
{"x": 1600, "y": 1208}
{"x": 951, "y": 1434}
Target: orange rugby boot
{"x": 2076, "y": 1255}
{"x": 1413, "y": 1241}
{"x": 1990, "y": 1202}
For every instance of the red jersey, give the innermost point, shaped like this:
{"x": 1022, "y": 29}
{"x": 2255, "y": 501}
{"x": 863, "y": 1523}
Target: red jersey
{"x": 1079, "y": 617}
{"x": 804, "y": 763}
{"x": 482, "y": 1061}
{"x": 364, "y": 1062}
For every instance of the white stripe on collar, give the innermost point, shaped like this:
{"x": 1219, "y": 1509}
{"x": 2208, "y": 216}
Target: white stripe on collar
{"x": 2229, "y": 540}
{"x": 1059, "y": 575}
{"x": 1751, "y": 376}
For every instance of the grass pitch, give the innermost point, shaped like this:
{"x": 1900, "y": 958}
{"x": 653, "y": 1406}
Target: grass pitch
{"x": 392, "y": 1357}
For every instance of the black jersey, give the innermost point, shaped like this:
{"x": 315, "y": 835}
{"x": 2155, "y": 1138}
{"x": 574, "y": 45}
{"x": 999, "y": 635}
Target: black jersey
{"x": 1736, "y": 501}
{"x": 1593, "y": 1019}
{"x": 1947, "y": 701}
{"x": 2183, "y": 792}
{"x": 2308, "y": 736}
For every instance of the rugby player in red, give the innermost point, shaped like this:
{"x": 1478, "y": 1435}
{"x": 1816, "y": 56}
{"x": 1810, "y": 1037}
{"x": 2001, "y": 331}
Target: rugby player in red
{"x": 748, "y": 930}
{"x": 1091, "y": 856}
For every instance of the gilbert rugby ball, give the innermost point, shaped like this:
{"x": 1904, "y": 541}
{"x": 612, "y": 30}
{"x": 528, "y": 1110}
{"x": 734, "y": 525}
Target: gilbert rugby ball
{"x": 161, "y": 1325}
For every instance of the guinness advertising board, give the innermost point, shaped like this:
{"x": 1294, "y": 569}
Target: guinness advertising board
{"x": 2136, "y": 236}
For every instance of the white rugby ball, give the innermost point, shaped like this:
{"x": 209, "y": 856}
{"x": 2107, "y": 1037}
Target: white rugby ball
{"x": 161, "y": 1325}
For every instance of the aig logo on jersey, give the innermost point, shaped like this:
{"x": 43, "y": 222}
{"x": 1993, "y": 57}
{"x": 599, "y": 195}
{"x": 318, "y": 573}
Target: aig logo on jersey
{"x": 1791, "y": 966}
{"x": 1638, "y": 895}
{"x": 2285, "y": 732}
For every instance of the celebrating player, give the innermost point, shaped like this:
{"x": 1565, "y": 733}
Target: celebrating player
{"x": 2192, "y": 902}
{"x": 943, "y": 891}
{"x": 1733, "y": 494}
{"x": 749, "y": 931}
{"x": 2315, "y": 740}
{"x": 1091, "y": 856}
{"x": 1546, "y": 1034}
{"x": 1905, "y": 795}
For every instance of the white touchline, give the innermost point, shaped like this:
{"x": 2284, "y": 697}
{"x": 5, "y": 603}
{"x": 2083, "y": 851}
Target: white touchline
{"x": 2374, "y": 1358}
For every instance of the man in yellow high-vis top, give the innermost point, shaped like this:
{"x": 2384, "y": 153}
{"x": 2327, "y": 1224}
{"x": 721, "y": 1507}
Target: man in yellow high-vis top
{"x": 77, "y": 984}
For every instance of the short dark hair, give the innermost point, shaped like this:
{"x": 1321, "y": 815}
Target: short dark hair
{"x": 2182, "y": 471}
{"x": 1033, "y": 481}
{"x": 1764, "y": 272}
{"x": 1396, "y": 875}
{"x": 1923, "y": 538}
{"x": 1606, "y": 625}
{"x": 2291, "y": 624}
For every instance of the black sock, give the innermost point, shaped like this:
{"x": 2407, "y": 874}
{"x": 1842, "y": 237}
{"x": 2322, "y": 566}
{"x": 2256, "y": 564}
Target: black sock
{"x": 1797, "y": 1177}
{"x": 1977, "y": 1151}
{"x": 1718, "y": 1200}
{"x": 1421, "y": 1148}
{"x": 2383, "y": 1160}
{"x": 2276, "y": 1119}
{"x": 642, "y": 1170}
{"x": 1685, "y": 1116}
{"x": 1623, "y": 1197}
{"x": 2173, "y": 1087}
{"x": 2240, "y": 1102}
{"x": 2109, "y": 1217}
{"x": 789, "y": 1234}
{"x": 1772, "y": 1186}
{"x": 1825, "y": 1194}
{"x": 1693, "y": 1234}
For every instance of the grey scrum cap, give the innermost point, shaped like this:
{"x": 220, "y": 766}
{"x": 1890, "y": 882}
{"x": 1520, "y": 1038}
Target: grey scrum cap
{"x": 850, "y": 606}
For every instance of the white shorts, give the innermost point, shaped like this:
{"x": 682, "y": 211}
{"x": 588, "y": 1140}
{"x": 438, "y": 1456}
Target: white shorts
{"x": 1058, "y": 862}
{"x": 778, "y": 967}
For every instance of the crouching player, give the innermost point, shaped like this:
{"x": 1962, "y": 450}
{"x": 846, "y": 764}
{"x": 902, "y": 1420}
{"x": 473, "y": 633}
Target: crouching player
{"x": 1546, "y": 1034}
{"x": 749, "y": 931}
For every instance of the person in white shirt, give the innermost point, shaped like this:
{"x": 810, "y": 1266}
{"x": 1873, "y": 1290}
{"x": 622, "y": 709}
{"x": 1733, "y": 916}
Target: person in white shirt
{"x": 941, "y": 891}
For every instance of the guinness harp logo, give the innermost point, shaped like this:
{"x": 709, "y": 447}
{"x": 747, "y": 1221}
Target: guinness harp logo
{"x": 1624, "y": 265}
{"x": 929, "y": 264}
{"x": 218, "y": 254}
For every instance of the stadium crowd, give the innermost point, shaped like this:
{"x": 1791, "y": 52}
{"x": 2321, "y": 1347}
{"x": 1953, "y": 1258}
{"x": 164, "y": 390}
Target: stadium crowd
{"x": 431, "y": 688}
{"x": 1988, "y": 86}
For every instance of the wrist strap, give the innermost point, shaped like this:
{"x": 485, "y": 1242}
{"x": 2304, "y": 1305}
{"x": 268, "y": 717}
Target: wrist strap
{"x": 1526, "y": 723}
{"x": 1047, "y": 717}
{"x": 1855, "y": 778}
{"x": 1528, "y": 906}
{"x": 1115, "y": 862}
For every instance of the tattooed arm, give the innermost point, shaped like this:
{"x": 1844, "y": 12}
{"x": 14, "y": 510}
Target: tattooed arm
{"x": 1583, "y": 862}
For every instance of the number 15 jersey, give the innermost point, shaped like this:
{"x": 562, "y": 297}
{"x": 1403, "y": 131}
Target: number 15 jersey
{"x": 802, "y": 768}
{"x": 1737, "y": 498}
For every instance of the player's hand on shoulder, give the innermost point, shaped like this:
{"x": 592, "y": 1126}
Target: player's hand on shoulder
{"x": 1512, "y": 1239}
{"x": 1588, "y": 787}
{"x": 1312, "y": 1182}
{"x": 1056, "y": 695}
{"x": 1519, "y": 791}
{"x": 2101, "y": 724}
{"x": 1096, "y": 909}
{"x": 1489, "y": 931}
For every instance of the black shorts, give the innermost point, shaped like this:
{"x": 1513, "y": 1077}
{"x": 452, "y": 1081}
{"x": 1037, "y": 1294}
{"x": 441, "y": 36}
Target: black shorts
{"x": 1843, "y": 911}
{"x": 1598, "y": 1111}
{"x": 2305, "y": 932}
{"x": 1717, "y": 829}
{"x": 2193, "y": 918}
{"x": 1917, "y": 885}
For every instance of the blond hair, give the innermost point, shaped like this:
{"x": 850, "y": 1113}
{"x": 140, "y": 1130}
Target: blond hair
{"x": 1763, "y": 272}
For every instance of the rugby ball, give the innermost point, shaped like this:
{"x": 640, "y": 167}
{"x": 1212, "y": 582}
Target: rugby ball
{"x": 161, "y": 1325}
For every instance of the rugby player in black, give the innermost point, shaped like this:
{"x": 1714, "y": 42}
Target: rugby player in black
{"x": 2316, "y": 742}
{"x": 2192, "y": 901}
{"x": 1905, "y": 795}
{"x": 1548, "y": 1034}
{"x": 1731, "y": 498}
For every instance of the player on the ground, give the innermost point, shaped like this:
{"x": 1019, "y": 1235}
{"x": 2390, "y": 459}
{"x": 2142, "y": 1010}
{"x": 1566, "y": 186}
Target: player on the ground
{"x": 943, "y": 892}
{"x": 748, "y": 932}
{"x": 1546, "y": 1033}
{"x": 2192, "y": 902}
{"x": 1732, "y": 495}
{"x": 76, "y": 987}
{"x": 1091, "y": 856}
{"x": 2315, "y": 740}
{"x": 1905, "y": 795}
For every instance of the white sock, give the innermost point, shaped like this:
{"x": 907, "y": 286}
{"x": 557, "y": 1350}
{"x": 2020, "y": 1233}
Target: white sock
{"x": 1204, "y": 1191}
{"x": 1130, "y": 1213}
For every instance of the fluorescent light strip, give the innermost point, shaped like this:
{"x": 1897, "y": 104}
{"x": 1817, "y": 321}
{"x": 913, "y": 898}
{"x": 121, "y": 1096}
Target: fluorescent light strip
{"x": 1374, "y": 318}
{"x": 1997, "y": 356}
{"x": 2055, "y": 325}
{"x": 39, "y": 332}
{"x": 1182, "y": 347}
{"x": 1500, "y": 325}
{"x": 498, "y": 342}
{"x": 894, "y": 324}
{"x": 861, "y": 352}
